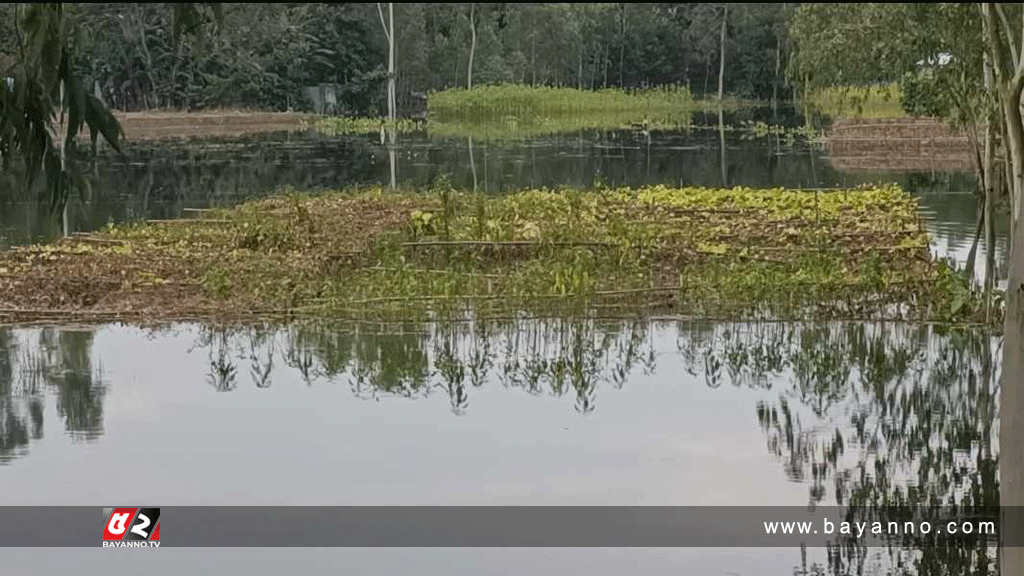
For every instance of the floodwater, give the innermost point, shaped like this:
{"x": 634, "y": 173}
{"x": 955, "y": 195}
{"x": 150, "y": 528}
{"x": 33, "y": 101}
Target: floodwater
{"x": 160, "y": 179}
{"x": 539, "y": 412}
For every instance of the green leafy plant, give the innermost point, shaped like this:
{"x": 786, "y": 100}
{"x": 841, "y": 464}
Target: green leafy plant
{"x": 43, "y": 91}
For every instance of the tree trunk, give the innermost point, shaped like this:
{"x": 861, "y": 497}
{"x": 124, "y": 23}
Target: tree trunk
{"x": 1011, "y": 389}
{"x": 595, "y": 67}
{"x": 1011, "y": 403}
{"x": 392, "y": 130}
{"x": 579, "y": 81}
{"x": 721, "y": 143}
{"x": 66, "y": 225}
{"x": 707, "y": 74}
{"x": 389, "y": 33}
{"x": 472, "y": 163}
{"x": 778, "y": 66}
{"x": 721, "y": 61}
{"x": 972, "y": 254}
{"x": 533, "y": 59}
{"x": 149, "y": 71}
{"x": 472, "y": 46}
{"x": 607, "y": 60}
{"x": 391, "y": 63}
{"x": 990, "y": 249}
{"x": 1015, "y": 136}
{"x": 979, "y": 168}
{"x": 989, "y": 180}
{"x": 622, "y": 46}
{"x": 174, "y": 69}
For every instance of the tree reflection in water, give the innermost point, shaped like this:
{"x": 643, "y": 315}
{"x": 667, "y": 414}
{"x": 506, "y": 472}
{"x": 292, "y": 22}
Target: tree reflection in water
{"x": 34, "y": 362}
{"x": 867, "y": 415}
{"x": 884, "y": 415}
{"x": 556, "y": 357}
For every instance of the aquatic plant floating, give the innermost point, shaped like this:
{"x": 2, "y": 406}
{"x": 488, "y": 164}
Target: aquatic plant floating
{"x": 373, "y": 254}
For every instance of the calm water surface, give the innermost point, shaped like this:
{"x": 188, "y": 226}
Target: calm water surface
{"x": 160, "y": 179}
{"x": 582, "y": 412}
{"x": 538, "y": 412}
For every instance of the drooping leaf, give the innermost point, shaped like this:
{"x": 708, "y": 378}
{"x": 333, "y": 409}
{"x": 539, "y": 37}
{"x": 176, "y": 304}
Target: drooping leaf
{"x": 76, "y": 107}
{"x": 102, "y": 121}
{"x": 52, "y": 170}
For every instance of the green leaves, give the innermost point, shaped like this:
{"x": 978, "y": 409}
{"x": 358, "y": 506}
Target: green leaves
{"x": 858, "y": 45}
{"x": 102, "y": 121}
{"x": 31, "y": 108}
{"x": 191, "y": 18}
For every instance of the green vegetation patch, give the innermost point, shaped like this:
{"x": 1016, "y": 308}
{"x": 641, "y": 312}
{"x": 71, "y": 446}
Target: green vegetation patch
{"x": 510, "y": 127}
{"x": 526, "y": 102}
{"x": 868, "y": 102}
{"x": 517, "y": 111}
{"x": 340, "y": 125}
{"x": 375, "y": 254}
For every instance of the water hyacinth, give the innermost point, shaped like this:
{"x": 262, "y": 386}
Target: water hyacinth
{"x": 374, "y": 254}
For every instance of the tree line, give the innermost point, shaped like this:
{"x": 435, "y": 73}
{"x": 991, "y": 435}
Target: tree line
{"x": 263, "y": 54}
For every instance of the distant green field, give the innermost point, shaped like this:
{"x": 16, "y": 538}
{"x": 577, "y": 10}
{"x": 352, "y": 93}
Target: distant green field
{"x": 514, "y": 111}
{"x": 879, "y": 101}
{"x": 527, "y": 103}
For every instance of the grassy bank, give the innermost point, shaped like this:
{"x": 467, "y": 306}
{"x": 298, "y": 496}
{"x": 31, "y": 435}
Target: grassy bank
{"x": 374, "y": 254}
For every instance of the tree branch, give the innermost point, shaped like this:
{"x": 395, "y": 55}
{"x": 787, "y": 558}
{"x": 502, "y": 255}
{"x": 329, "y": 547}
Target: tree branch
{"x": 380, "y": 12}
{"x": 1011, "y": 38}
{"x": 991, "y": 35}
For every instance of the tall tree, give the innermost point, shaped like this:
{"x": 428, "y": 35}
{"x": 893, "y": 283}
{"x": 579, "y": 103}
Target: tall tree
{"x": 721, "y": 56}
{"x": 389, "y": 33}
{"x": 1005, "y": 44}
{"x": 472, "y": 46}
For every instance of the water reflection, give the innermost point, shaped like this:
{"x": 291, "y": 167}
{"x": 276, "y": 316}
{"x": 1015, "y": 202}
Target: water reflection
{"x": 896, "y": 388}
{"x": 556, "y": 357}
{"x": 867, "y": 415}
{"x": 912, "y": 399}
{"x": 160, "y": 179}
{"x": 50, "y": 362}
{"x": 875, "y": 417}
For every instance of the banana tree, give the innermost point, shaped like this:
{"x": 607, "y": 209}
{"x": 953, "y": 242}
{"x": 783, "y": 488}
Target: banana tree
{"x": 44, "y": 104}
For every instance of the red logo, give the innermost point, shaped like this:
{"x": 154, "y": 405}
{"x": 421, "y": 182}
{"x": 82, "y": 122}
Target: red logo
{"x": 139, "y": 525}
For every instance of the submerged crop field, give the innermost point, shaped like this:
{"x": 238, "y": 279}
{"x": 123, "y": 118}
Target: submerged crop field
{"x": 376, "y": 254}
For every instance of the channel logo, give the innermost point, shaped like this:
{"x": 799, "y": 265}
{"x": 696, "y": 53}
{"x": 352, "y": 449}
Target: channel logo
{"x": 131, "y": 528}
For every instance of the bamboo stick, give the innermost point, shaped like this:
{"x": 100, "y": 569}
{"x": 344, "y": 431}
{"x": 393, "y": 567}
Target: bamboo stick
{"x": 501, "y": 243}
{"x": 190, "y": 221}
